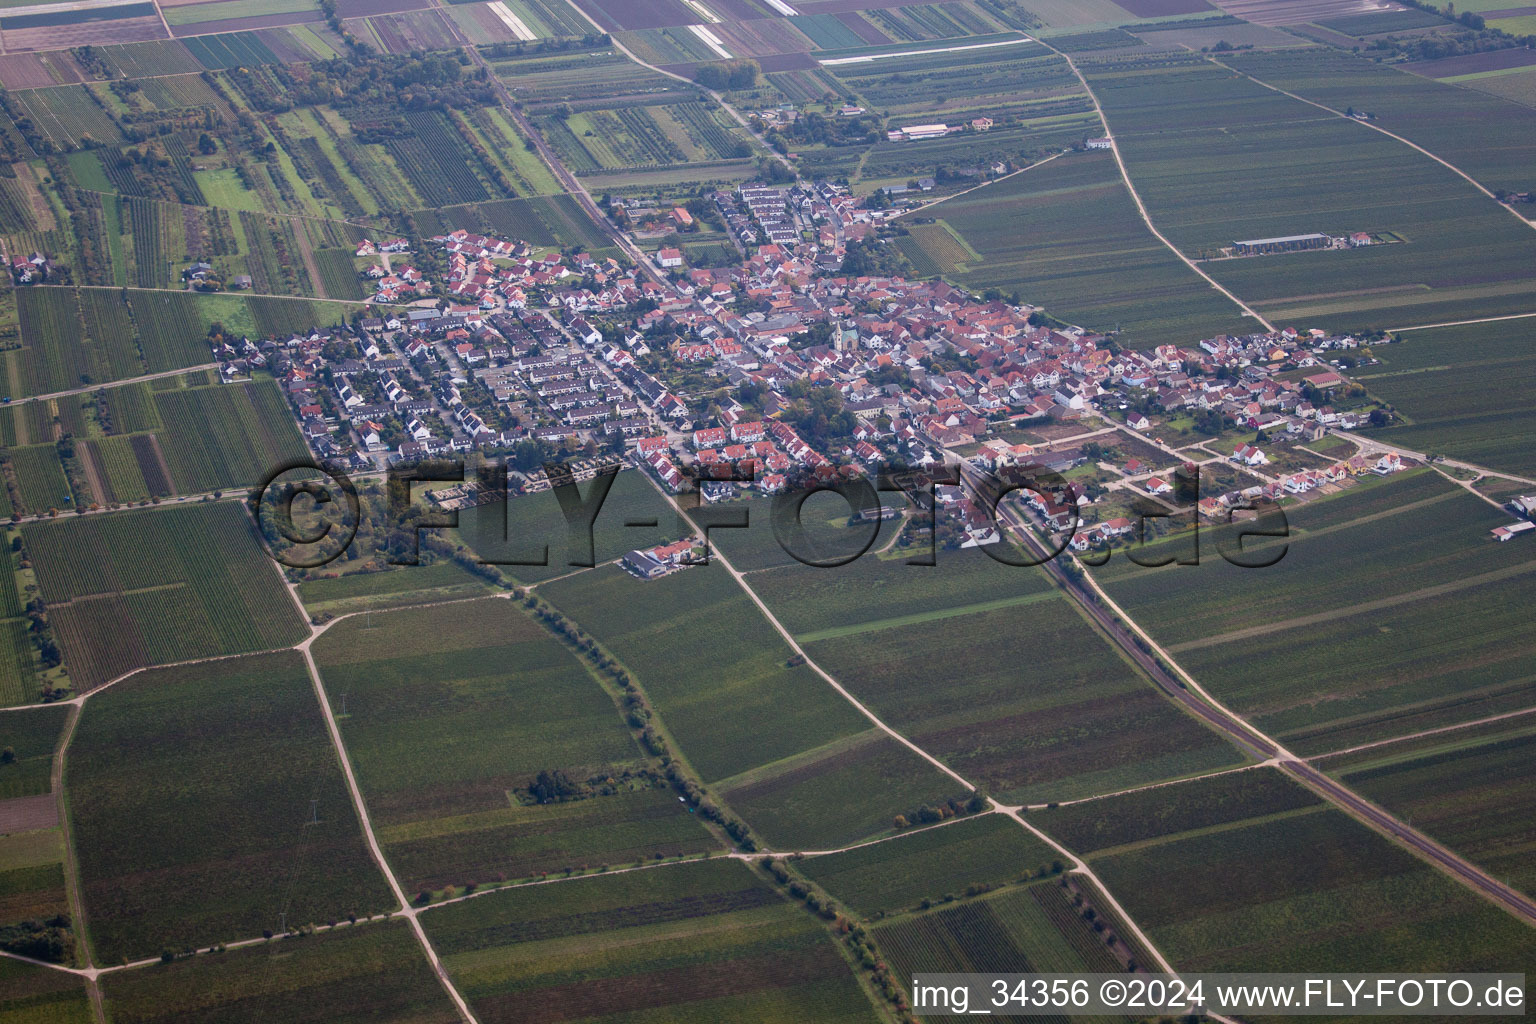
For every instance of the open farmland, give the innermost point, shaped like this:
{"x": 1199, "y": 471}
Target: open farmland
{"x": 698, "y": 941}
{"x": 1184, "y": 126}
{"x": 1467, "y": 791}
{"x": 1428, "y": 377}
{"x": 1018, "y": 79}
{"x": 142, "y": 588}
{"x": 1281, "y": 892}
{"x": 1381, "y": 571}
{"x": 692, "y": 683}
{"x": 189, "y": 440}
{"x": 227, "y": 436}
{"x": 899, "y": 873}
{"x": 641, "y": 137}
{"x": 1035, "y": 929}
{"x": 600, "y": 77}
{"x": 405, "y": 585}
{"x": 802, "y": 801}
{"x": 373, "y": 973}
{"x": 75, "y": 338}
{"x": 207, "y": 803}
{"x": 40, "y": 481}
{"x": 446, "y": 765}
{"x": 1196, "y": 805}
{"x": 32, "y": 886}
{"x": 69, "y": 116}
{"x": 627, "y": 14}
{"x": 1077, "y": 720}
{"x": 32, "y": 738}
{"x": 1449, "y": 122}
{"x": 783, "y": 745}
{"x": 1066, "y": 236}
{"x": 31, "y": 993}
{"x": 532, "y": 528}
{"x": 18, "y": 678}
{"x": 58, "y": 353}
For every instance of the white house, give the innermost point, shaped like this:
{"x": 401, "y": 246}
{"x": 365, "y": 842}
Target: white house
{"x": 1248, "y": 455}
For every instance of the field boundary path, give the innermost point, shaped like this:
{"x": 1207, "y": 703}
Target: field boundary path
{"x": 1411, "y": 145}
{"x": 1265, "y": 751}
{"x": 1181, "y": 686}
{"x": 1461, "y": 323}
{"x": 1079, "y": 865}
{"x": 114, "y": 383}
{"x": 1422, "y": 733}
{"x": 735, "y": 114}
{"x": 90, "y": 972}
{"x": 1369, "y": 446}
{"x": 360, "y": 806}
{"x": 1141, "y": 207}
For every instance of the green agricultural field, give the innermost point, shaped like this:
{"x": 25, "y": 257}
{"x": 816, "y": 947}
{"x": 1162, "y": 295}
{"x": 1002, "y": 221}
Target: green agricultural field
{"x": 691, "y": 942}
{"x": 1468, "y": 792}
{"x": 1197, "y": 804}
{"x": 1183, "y": 126}
{"x": 1362, "y": 25}
{"x": 1004, "y": 79}
{"x": 1403, "y": 575}
{"x": 523, "y": 527}
{"x": 122, "y": 478}
{"x": 66, "y": 115}
{"x": 32, "y": 881}
{"x": 18, "y": 655}
{"x": 755, "y": 546}
{"x": 1026, "y": 700}
{"x": 732, "y": 705}
{"x": 1035, "y": 929}
{"x": 74, "y": 338}
{"x": 58, "y": 353}
{"x": 451, "y": 712}
{"x": 230, "y": 50}
{"x": 31, "y": 737}
{"x": 230, "y": 436}
{"x": 899, "y": 873}
{"x": 208, "y": 803}
{"x": 1066, "y": 235}
{"x": 141, "y": 588}
{"x": 338, "y": 274}
{"x": 404, "y": 585}
{"x": 875, "y": 592}
{"x": 1452, "y": 123}
{"x": 31, "y": 994}
{"x": 784, "y": 747}
{"x": 157, "y": 57}
{"x": 1285, "y": 894}
{"x": 173, "y": 326}
{"x": 802, "y": 802}
{"x": 190, "y": 14}
{"x": 375, "y": 972}
{"x": 40, "y": 480}
{"x": 1429, "y": 377}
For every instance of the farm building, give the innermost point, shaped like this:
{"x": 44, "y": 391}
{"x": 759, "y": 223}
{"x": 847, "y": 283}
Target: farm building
{"x": 919, "y": 132}
{"x": 1104, "y": 142}
{"x": 1503, "y": 533}
{"x": 1288, "y": 243}
{"x": 643, "y": 565}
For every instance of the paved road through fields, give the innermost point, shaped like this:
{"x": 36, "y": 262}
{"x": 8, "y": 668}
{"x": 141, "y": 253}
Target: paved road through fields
{"x": 1109, "y": 617}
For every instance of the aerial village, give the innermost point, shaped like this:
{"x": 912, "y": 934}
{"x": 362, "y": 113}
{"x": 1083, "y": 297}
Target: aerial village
{"x": 785, "y": 367}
